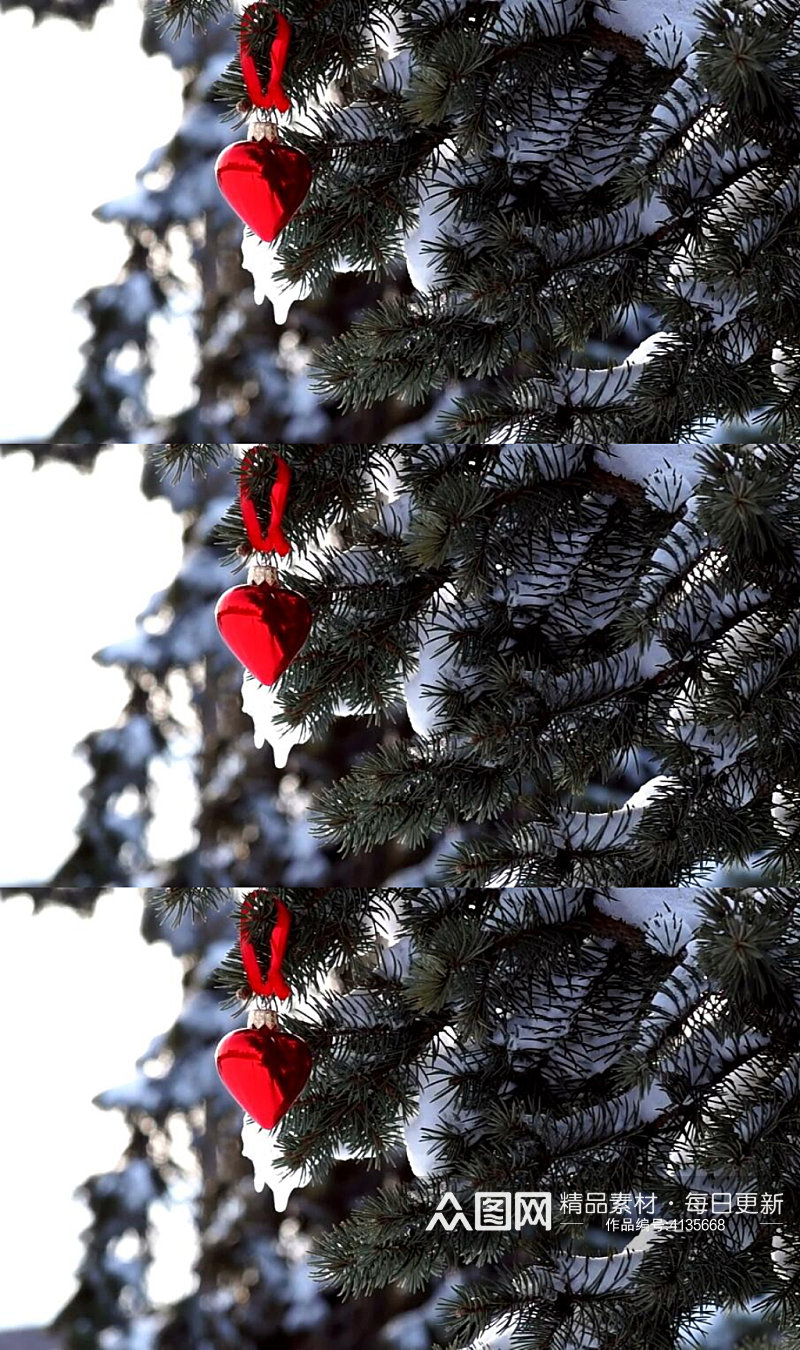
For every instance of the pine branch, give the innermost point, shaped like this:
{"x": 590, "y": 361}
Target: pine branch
{"x": 196, "y": 903}
{"x": 173, "y": 16}
{"x": 518, "y": 1039}
{"x": 173, "y": 461}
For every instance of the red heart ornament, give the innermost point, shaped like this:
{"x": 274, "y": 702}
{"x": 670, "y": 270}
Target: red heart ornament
{"x": 265, "y": 1070}
{"x": 264, "y": 182}
{"x": 264, "y": 626}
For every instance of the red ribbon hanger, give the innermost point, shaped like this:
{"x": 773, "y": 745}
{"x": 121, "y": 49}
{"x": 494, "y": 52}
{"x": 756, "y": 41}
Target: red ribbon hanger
{"x": 274, "y": 541}
{"x": 274, "y": 983}
{"x": 275, "y": 95}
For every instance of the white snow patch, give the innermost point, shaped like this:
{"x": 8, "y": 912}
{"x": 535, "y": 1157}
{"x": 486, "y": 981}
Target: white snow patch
{"x": 261, "y": 703}
{"x": 786, "y": 367}
{"x": 785, "y": 1257}
{"x": 497, "y": 1336}
{"x": 640, "y": 462}
{"x": 434, "y": 222}
{"x": 262, "y": 1148}
{"x": 436, "y": 662}
{"x": 436, "y": 1107}
{"x": 667, "y": 917}
{"x": 262, "y": 261}
{"x": 644, "y": 18}
{"x": 612, "y": 384}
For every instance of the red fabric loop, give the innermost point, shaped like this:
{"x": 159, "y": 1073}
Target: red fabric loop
{"x": 274, "y": 541}
{"x": 274, "y": 983}
{"x": 275, "y": 95}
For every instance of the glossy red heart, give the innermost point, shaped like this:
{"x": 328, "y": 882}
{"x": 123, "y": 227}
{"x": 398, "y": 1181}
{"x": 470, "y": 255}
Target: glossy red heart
{"x": 264, "y": 182}
{"x": 264, "y": 626}
{"x": 265, "y": 1070}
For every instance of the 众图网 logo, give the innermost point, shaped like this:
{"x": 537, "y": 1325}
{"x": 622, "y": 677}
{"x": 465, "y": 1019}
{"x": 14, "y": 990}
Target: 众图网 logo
{"x": 494, "y": 1211}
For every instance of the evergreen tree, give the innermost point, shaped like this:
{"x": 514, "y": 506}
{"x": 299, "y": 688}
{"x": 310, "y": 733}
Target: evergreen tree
{"x": 640, "y": 1045}
{"x": 635, "y": 1045}
{"x": 568, "y": 219}
{"x": 584, "y": 660}
{"x": 555, "y": 175}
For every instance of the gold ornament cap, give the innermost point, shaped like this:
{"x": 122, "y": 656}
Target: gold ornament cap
{"x": 259, "y": 571}
{"x": 262, "y": 131}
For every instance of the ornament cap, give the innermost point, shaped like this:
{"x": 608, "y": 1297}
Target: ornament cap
{"x": 262, "y": 131}
{"x": 262, "y": 1017}
{"x": 259, "y": 572}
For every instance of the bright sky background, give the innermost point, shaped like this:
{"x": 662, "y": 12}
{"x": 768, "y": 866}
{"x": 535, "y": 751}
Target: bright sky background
{"x": 74, "y": 1022}
{"x": 102, "y": 551}
{"x": 81, "y": 112}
